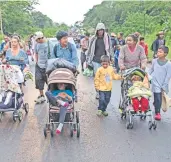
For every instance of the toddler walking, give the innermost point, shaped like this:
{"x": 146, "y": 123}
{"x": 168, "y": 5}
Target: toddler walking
{"x": 103, "y": 83}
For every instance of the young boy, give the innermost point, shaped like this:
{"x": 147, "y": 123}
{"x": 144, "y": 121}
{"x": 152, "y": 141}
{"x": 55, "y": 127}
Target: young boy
{"x": 161, "y": 74}
{"x": 103, "y": 84}
{"x": 144, "y": 45}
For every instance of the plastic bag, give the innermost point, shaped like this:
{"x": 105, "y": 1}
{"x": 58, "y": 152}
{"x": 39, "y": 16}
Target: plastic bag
{"x": 88, "y": 72}
{"x": 166, "y": 102}
{"x": 60, "y": 63}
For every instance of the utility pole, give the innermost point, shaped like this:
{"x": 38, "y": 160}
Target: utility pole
{"x": 143, "y": 8}
{"x": 1, "y": 22}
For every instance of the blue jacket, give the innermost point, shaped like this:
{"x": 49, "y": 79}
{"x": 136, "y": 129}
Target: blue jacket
{"x": 69, "y": 53}
{"x": 2, "y": 46}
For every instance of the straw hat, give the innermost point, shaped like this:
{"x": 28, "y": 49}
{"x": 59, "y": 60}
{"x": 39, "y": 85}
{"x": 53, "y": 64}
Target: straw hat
{"x": 113, "y": 35}
{"x": 160, "y": 33}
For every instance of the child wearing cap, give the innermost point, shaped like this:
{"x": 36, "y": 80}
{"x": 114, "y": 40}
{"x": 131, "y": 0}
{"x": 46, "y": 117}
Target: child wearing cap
{"x": 161, "y": 74}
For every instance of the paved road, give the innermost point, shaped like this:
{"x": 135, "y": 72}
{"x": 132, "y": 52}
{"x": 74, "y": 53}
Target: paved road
{"x": 102, "y": 139}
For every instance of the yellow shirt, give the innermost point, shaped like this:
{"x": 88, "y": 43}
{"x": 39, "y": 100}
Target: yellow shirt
{"x": 103, "y": 78}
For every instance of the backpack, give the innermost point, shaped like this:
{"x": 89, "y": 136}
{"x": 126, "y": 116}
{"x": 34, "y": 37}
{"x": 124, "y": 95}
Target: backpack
{"x": 69, "y": 47}
{"x": 152, "y": 47}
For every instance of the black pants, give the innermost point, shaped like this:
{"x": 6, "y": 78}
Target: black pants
{"x": 83, "y": 59}
{"x": 157, "y": 102}
{"x": 104, "y": 99}
{"x": 40, "y": 77}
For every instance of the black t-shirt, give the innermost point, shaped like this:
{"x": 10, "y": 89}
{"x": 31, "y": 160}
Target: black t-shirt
{"x": 99, "y": 50}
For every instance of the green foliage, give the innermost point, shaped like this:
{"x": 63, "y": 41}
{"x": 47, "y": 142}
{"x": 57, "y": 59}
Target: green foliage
{"x": 20, "y": 17}
{"x": 146, "y": 17}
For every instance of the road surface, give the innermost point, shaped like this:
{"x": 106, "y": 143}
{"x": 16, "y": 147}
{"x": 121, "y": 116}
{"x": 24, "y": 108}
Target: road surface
{"x": 102, "y": 139}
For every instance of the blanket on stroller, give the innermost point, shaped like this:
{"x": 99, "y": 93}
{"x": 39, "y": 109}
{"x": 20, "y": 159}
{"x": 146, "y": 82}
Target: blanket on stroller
{"x": 139, "y": 90}
{"x": 60, "y": 63}
{"x": 8, "y": 78}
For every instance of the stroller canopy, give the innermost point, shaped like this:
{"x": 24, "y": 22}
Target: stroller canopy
{"x": 62, "y": 75}
{"x": 135, "y": 71}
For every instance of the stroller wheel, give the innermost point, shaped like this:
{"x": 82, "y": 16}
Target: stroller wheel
{"x": 78, "y": 130}
{"x": 150, "y": 125}
{"x": 71, "y": 129}
{"x": 1, "y": 113}
{"x": 76, "y": 100}
{"x": 143, "y": 117}
{"x": 45, "y": 132}
{"x": 26, "y": 107}
{"x": 14, "y": 116}
{"x": 52, "y": 130}
{"x": 129, "y": 125}
{"x": 154, "y": 125}
{"x": 20, "y": 116}
{"x": 77, "y": 116}
{"x": 51, "y": 133}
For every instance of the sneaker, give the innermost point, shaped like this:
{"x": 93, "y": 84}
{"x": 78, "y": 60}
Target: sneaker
{"x": 105, "y": 113}
{"x": 99, "y": 112}
{"x": 97, "y": 95}
{"x": 157, "y": 116}
{"x": 40, "y": 99}
{"x": 59, "y": 129}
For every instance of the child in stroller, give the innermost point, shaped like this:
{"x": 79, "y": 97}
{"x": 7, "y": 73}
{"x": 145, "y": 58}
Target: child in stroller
{"x": 135, "y": 94}
{"x": 60, "y": 96}
{"x": 139, "y": 93}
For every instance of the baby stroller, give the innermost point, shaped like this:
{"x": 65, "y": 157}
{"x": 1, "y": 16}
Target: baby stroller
{"x": 125, "y": 105}
{"x": 11, "y": 97}
{"x": 62, "y": 75}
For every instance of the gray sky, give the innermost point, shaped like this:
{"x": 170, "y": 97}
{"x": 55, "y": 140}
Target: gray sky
{"x": 67, "y": 11}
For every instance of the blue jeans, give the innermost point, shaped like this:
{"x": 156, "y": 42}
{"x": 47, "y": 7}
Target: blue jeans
{"x": 117, "y": 65}
{"x": 95, "y": 66}
{"x": 104, "y": 99}
{"x": 157, "y": 102}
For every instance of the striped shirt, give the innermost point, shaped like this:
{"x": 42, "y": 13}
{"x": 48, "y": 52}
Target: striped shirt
{"x": 130, "y": 59}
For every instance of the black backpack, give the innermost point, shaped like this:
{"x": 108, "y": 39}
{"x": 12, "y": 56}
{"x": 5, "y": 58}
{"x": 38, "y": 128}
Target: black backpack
{"x": 69, "y": 46}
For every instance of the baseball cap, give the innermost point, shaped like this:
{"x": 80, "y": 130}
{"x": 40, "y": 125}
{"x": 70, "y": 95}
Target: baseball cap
{"x": 38, "y": 35}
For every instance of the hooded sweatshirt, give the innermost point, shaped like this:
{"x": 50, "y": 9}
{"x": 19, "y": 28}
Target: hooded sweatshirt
{"x": 99, "y": 47}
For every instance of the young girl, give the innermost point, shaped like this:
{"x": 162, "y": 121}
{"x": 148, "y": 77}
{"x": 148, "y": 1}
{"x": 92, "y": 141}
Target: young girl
{"x": 161, "y": 74}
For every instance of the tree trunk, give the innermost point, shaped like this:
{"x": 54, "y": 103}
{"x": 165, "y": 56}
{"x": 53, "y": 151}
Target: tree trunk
{"x": 1, "y": 27}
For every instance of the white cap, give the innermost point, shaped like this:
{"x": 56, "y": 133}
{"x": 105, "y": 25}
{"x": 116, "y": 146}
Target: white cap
{"x": 38, "y": 35}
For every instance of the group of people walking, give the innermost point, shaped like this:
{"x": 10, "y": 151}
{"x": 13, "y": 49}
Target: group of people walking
{"x": 98, "y": 52}
{"x": 127, "y": 53}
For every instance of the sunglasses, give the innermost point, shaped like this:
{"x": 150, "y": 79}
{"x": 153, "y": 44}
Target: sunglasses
{"x": 40, "y": 38}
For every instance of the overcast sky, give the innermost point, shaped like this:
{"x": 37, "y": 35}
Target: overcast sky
{"x": 67, "y": 11}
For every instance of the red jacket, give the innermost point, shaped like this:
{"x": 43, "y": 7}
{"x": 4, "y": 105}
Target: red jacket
{"x": 145, "y": 46}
